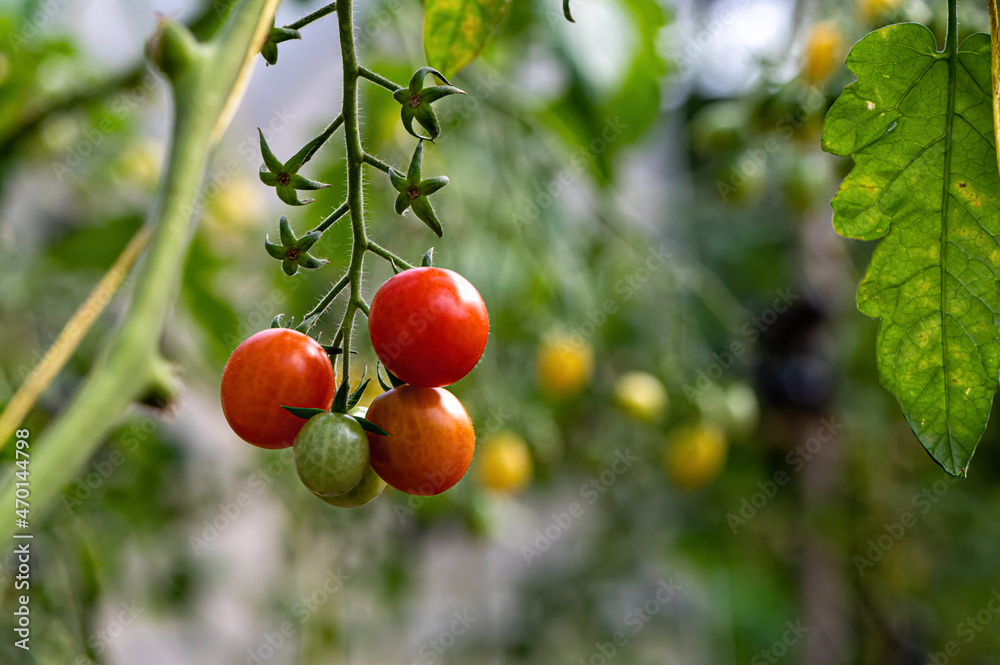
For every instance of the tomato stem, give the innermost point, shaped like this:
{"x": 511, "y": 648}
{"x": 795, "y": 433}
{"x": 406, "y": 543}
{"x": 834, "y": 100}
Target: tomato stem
{"x": 389, "y": 255}
{"x": 379, "y": 80}
{"x": 372, "y": 160}
{"x": 328, "y": 299}
{"x": 314, "y": 16}
{"x": 355, "y": 163}
{"x": 332, "y": 219}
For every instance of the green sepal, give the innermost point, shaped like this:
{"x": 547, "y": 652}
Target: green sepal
{"x": 332, "y": 350}
{"x": 310, "y": 262}
{"x": 423, "y": 97}
{"x": 302, "y": 182}
{"x": 270, "y": 161}
{"x": 398, "y": 180}
{"x": 416, "y": 165}
{"x": 273, "y": 172}
{"x": 425, "y": 212}
{"x": 402, "y": 203}
{"x": 417, "y": 80}
{"x": 385, "y": 386}
{"x": 302, "y": 412}
{"x": 270, "y": 52}
{"x": 285, "y": 233}
{"x": 428, "y": 260}
{"x": 355, "y": 397}
{"x": 305, "y": 243}
{"x": 275, "y": 251}
{"x": 289, "y": 267}
{"x": 436, "y": 92}
{"x": 267, "y": 177}
{"x": 431, "y": 185}
{"x": 427, "y": 118}
{"x": 287, "y": 194}
{"x": 369, "y": 426}
{"x": 340, "y": 399}
{"x": 276, "y": 321}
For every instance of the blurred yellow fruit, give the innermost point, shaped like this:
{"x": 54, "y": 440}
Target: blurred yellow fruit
{"x": 872, "y": 10}
{"x": 824, "y": 51}
{"x": 236, "y": 205}
{"x": 642, "y": 396}
{"x": 564, "y": 365}
{"x": 140, "y": 163}
{"x": 504, "y": 463}
{"x": 743, "y": 410}
{"x": 695, "y": 455}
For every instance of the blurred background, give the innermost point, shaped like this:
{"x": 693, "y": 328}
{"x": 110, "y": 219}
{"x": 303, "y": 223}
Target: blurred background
{"x": 683, "y": 452}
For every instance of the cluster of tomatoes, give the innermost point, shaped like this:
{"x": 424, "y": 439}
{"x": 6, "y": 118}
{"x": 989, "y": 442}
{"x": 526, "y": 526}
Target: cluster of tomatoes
{"x": 429, "y": 328}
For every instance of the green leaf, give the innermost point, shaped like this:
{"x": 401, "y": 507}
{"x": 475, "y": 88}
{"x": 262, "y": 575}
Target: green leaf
{"x": 456, "y": 31}
{"x": 919, "y": 125}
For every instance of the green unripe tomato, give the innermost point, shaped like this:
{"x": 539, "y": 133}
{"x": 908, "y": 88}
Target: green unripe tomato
{"x": 367, "y": 489}
{"x": 331, "y": 454}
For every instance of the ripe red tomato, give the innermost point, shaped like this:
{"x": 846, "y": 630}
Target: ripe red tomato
{"x": 269, "y": 369}
{"x": 428, "y": 326}
{"x": 430, "y": 442}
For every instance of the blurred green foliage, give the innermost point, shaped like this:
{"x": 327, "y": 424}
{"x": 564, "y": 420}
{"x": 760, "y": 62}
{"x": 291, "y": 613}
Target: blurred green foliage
{"x": 552, "y": 218}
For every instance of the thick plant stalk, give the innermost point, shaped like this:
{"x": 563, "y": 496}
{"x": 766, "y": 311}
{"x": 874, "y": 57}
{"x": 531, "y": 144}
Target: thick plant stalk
{"x": 205, "y": 83}
{"x": 69, "y": 338}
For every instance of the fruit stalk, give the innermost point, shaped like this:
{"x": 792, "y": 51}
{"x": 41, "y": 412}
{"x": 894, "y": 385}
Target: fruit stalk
{"x": 355, "y": 192}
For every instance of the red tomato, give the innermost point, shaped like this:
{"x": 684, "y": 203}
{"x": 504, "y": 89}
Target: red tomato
{"x": 430, "y": 442}
{"x": 428, "y": 326}
{"x": 269, "y": 369}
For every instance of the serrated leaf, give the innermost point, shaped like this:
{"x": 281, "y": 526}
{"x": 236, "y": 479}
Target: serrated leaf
{"x": 369, "y": 426}
{"x": 456, "y": 31}
{"x": 919, "y": 125}
{"x": 302, "y": 412}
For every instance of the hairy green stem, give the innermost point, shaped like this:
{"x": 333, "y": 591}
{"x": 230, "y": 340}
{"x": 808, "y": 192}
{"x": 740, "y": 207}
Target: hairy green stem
{"x": 328, "y": 299}
{"x": 378, "y": 79}
{"x": 388, "y": 255}
{"x": 372, "y": 160}
{"x": 315, "y": 16}
{"x": 130, "y": 363}
{"x": 332, "y": 218}
{"x": 327, "y": 133}
{"x": 355, "y": 184}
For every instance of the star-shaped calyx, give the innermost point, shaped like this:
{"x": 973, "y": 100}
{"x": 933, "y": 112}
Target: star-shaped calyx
{"x": 416, "y": 101}
{"x": 284, "y": 177}
{"x": 293, "y": 252}
{"x": 413, "y": 191}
